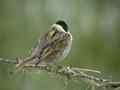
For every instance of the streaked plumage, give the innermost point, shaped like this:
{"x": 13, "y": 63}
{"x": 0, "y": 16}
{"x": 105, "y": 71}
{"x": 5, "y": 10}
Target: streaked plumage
{"x": 52, "y": 46}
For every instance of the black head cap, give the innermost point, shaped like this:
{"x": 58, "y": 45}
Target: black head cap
{"x": 63, "y": 24}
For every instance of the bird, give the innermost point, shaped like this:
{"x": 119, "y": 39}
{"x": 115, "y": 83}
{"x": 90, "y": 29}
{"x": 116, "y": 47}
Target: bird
{"x": 52, "y": 47}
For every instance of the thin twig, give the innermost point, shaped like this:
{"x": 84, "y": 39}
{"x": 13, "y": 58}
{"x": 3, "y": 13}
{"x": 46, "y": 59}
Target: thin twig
{"x": 8, "y": 61}
{"x": 71, "y": 72}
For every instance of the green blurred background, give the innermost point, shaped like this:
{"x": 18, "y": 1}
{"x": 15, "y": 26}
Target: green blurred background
{"x": 94, "y": 24}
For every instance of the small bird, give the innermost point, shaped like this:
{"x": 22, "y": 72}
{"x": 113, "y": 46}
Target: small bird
{"x": 53, "y": 46}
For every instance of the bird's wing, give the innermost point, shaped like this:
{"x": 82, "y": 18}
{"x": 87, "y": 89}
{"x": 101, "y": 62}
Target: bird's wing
{"x": 54, "y": 48}
{"x": 47, "y": 38}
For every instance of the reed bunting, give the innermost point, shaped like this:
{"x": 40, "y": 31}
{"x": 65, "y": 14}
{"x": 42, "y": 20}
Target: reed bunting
{"x": 53, "y": 46}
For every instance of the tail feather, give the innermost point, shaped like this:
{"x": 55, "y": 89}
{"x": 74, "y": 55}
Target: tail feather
{"x": 22, "y": 63}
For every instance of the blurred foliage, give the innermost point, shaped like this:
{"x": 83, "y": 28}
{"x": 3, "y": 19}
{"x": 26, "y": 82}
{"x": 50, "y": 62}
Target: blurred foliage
{"x": 94, "y": 24}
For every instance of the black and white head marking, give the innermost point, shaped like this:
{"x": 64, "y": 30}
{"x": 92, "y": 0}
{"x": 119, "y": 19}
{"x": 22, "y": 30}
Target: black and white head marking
{"x": 63, "y": 25}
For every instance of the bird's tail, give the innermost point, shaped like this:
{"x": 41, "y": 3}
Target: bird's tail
{"x": 22, "y": 63}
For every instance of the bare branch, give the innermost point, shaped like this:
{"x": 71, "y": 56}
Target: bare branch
{"x": 111, "y": 84}
{"x": 71, "y": 73}
{"x": 77, "y": 73}
{"x": 8, "y": 61}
